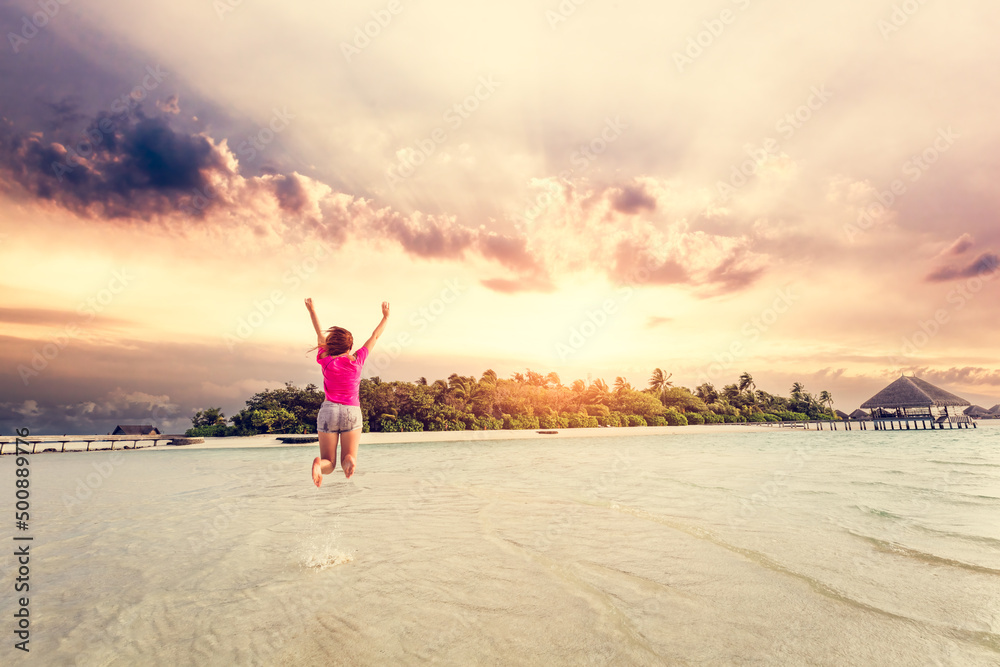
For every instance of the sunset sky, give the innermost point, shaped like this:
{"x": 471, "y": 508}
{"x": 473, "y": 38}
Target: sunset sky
{"x": 804, "y": 191}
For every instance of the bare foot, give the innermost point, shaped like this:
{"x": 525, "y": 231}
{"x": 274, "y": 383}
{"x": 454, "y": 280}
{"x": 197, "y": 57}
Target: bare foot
{"x": 347, "y": 463}
{"x": 317, "y": 472}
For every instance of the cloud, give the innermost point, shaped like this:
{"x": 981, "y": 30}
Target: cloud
{"x": 984, "y": 265}
{"x": 961, "y": 244}
{"x": 634, "y": 264}
{"x": 967, "y": 375}
{"x": 526, "y": 284}
{"x": 50, "y": 316}
{"x": 139, "y": 167}
{"x": 130, "y": 166}
{"x": 27, "y": 409}
{"x": 170, "y": 105}
{"x": 632, "y": 199}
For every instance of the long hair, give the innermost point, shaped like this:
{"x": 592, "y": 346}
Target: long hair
{"x": 338, "y": 341}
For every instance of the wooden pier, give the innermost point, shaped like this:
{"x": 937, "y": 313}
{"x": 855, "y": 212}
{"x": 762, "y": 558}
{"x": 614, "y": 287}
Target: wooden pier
{"x": 89, "y": 440}
{"x": 881, "y": 424}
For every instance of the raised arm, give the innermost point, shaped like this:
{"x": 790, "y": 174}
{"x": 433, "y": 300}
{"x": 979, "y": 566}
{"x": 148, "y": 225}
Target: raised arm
{"x": 320, "y": 338}
{"x": 370, "y": 343}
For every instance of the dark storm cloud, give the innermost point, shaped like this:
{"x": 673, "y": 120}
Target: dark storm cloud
{"x": 128, "y": 165}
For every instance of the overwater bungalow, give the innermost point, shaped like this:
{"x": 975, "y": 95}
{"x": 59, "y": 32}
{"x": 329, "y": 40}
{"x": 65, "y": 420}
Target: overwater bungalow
{"x": 910, "y": 399}
{"x": 860, "y": 415}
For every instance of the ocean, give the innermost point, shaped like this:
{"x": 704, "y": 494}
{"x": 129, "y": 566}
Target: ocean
{"x": 772, "y": 547}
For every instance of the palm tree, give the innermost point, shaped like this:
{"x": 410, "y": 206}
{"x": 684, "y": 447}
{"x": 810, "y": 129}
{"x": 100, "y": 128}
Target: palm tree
{"x": 746, "y": 382}
{"x": 597, "y": 392}
{"x": 660, "y": 381}
{"x": 422, "y": 381}
{"x": 553, "y": 379}
{"x": 534, "y": 379}
{"x": 706, "y": 392}
{"x": 826, "y": 398}
{"x": 490, "y": 376}
{"x": 621, "y": 384}
{"x": 579, "y": 388}
{"x": 797, "y": 390}
{"x": 763, "y": 398}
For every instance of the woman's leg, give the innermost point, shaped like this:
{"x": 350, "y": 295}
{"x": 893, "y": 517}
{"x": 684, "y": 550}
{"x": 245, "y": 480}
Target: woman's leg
{"x": 349, "y": 451}
{"x": 326, "y": 462}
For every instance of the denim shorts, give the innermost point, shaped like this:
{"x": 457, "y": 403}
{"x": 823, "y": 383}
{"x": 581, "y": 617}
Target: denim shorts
{"x": 338, "y": 418}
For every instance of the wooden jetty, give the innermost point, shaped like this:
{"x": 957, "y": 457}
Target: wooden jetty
{"x": 879, "y": 424}
{"x": 912, "y": 400}
{"x": 908, "y": 404}
{"x": 89, "y": 440}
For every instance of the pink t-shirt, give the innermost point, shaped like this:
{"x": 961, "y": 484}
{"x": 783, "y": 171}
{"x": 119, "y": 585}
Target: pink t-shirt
{"x": 342, "y": 377}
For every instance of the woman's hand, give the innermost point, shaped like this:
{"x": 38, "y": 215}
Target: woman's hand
{"x": 309, "y": 304}
{"x": 385, "y": 309}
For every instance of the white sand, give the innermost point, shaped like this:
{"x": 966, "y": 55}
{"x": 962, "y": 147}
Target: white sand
{"x": 269, "y": 440}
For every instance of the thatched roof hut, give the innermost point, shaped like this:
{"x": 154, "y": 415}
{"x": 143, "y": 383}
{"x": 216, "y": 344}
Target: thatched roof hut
{"x": 860, "y": 415}
{"x": 976, "y": 411}
{"x": 135, "y": 429}
{"x": 995, "y": 410}
{"x": 842, "y": 415}
{"x": 911, "y": 396}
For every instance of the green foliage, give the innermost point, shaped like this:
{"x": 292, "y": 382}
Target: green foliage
{"x": 213, "y": 431}
{"x": 682, "y": 400}
{"x": 286, "y": 410}
{"x": 391, "y": 424}
{"x": 597, "y": 410}
{"x": 675, "y": 418}
{"x": 208, "y": 417}
{"x": 488, "y": 424}
{"x": 612, "y": 419}
{"x": 529, "y": 400}
{"x": 579, "y": 420}
{"x": 552, "y": 421}
{"x": 789, "y": 416}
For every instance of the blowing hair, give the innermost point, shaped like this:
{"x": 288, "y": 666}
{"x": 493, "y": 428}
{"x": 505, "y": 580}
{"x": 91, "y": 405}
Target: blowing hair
{"x": 338, "y": 341}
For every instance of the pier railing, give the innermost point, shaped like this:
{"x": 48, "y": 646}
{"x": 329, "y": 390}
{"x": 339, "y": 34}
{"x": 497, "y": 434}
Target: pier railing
{"x": 89, "y": 440}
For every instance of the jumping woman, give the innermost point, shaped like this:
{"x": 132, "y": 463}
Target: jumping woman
{"x": 340, "y": 415}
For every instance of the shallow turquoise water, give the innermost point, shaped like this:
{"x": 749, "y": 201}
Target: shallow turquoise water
{"x": 764, "y": 548}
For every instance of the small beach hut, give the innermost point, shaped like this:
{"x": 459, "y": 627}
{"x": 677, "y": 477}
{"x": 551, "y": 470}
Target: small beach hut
{"x": 842, "y": 415}
{"x": 135, "y": 429}
{"x": 860, "y": 415}
{"x": 976, "y": 412}
{"x": 909, "y": 397}
{"x": 995, "y": 410}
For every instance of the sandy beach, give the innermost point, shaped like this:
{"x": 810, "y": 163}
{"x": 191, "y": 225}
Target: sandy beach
{"x": 424, "y": 437}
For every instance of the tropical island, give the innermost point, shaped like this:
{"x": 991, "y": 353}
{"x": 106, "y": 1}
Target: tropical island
{"x": 529, "y": 400}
